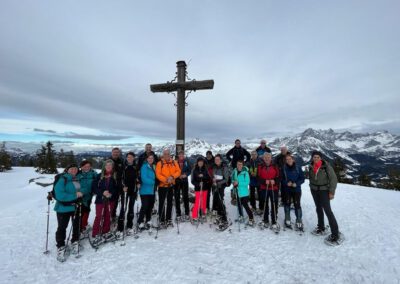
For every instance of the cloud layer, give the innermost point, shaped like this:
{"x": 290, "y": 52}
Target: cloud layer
{"x": 278, "y": 67}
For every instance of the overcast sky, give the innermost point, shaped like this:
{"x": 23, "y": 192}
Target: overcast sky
{"x": 82, "y": 69}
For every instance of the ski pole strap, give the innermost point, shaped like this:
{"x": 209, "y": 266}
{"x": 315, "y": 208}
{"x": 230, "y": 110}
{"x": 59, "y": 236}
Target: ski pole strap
{"x": 49, "y": 196}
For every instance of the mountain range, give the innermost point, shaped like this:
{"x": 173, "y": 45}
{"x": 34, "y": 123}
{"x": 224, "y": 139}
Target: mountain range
{"x": 368, "y": 153}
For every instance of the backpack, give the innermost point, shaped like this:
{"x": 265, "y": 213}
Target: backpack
{"x": 53, "y": 192}
{"x": 162, "y": 165}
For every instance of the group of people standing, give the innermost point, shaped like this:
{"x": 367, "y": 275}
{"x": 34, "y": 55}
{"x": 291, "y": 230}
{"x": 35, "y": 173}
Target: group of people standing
{"x": 121, "y": 181}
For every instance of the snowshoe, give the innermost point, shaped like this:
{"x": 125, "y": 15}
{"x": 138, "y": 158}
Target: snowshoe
{"x": 119, "y": 235}
{"x": 85, "y": 233}
{"x": 288, "y": 225}
{"x": 169, "y": 224}
{"x": 141, "y": 227}
{"x": 223, "y": 226}
{"x": 162, "y": 225}
{"x": 61, "y": 254}
{"x": 251, "y": 223}
{"x": 148, "y": 225}
{"x": 195, "y": 221}
{"x": 319, "y": 232}
{"x": 75, "y": 246}
{"x": 186, "y": 218}
{"x": 332, "y": 240}
{"x": 275, "y": 228}
{"x": 217, "y": 220}
{"x": 263, "y": 225}
{"x": 259, "y": 212}
{"x": 96, "y": 242}
{"x": 299, "y": 226}
{"x": 240, "y": 219}
{"x": 203, "y": 219}
{"x": 109, "y": 237}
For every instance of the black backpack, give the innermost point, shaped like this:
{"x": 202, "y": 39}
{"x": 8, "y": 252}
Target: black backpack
{"x": 53, "y": 192}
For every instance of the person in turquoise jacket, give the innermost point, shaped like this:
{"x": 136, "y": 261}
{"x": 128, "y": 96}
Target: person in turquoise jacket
{"x": 241, "y": 181}
{"x": 148, "y": 178}
{"x": 86, "y": 176}
{"x": 67, "y": 191}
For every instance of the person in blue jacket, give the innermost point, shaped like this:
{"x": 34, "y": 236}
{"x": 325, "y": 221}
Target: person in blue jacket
{"x": 292, "y": 179}
{"x": 146, "y": 191}
{"x": 241, "y": 181}
{"x": 67, "y": 191}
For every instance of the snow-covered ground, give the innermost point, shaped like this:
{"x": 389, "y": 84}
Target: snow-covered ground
{"x": 368, "y": 218}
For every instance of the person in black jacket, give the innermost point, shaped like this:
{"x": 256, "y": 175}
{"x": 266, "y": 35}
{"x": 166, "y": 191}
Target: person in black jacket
{"x": 118, "y": 169}
{"x": 280, "y": 159}
{"x": 201, "y": 181}
{"x": 237, "y": 153}
{"x": 129, "y": 187}
{"x": 210, "y": 161}
{"x": 148, "y": 150}
{"x": 220, "y": 175}
{"x": 182, "y": 185}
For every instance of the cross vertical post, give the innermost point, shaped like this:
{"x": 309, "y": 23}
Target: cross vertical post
{"x": 180, "y": 108}
{"x": 181, "y": 86}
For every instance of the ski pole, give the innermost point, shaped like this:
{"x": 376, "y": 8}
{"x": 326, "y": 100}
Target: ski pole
{"x": 265, "y": 202}
{"x": 125, "y": 217}
{"x": 109, "y": 210}
{"x": 79, "y": 227}
{"x": 49, "y": 198}
{"x": 200, "y": 203}
{"x": 239, "y": 206}
{"x": 274, "y": 206}
{"x": 72, "y": 225}
{"x": 162, "y": 212}
{"x": 222, "y": 204}
{"x": 176, "y": 216}
{"x": 105, "y": 200}
{"x": 213, "y": 192}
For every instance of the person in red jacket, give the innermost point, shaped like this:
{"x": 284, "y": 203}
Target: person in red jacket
{"x": 268, "y": 177}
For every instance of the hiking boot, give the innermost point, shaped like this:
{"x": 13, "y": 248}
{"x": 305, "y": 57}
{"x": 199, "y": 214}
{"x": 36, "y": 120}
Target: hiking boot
{"x": 318, "y": 232}
{"x": 75, "y": 247}
{"x": 148, "y": 225}
{"x": 61, "y": 254}
{"x": 141, "y": 226}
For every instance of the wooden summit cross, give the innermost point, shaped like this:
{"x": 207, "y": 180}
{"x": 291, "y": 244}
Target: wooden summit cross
{"x": 181, "y": 86}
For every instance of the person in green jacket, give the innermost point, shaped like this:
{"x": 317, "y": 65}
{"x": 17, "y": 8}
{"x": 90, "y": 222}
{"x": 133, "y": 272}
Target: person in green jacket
{"x": 86, "y": 176}
{"x": 323, "y": 182}
{"x": 67, "y": 192}
{"x": 241, "y": 181}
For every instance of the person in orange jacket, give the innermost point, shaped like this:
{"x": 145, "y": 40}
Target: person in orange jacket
{"x": 167, "y": 171}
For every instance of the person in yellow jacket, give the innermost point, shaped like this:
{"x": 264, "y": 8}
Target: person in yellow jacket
{"x": 167, "y": 171}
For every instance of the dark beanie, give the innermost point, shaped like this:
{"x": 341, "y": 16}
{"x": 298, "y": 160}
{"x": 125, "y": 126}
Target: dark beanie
{"x": 131, "y": 154}
{"x": 84, "y": 163}
{"x": 316, "y": 152}
{"x": 201, "y": 158}
{"x": 208, "y": 152}
{"x": 73, "y": 165}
